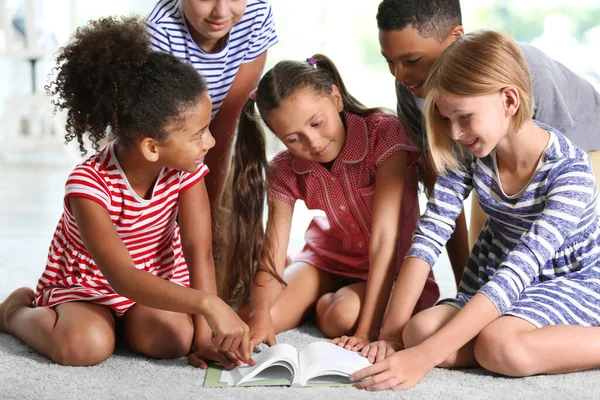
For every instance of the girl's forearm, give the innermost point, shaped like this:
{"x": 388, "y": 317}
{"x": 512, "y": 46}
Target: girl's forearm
{"x": 202, "y": 277}
{"x": 383, "y": 262}
{"x": 466, "y": 325}
{"x": 265, "y": 287}
{"x": 264, "y": 292}
{"x": 201, "y": 267}
{"x": 407, "y": 291}
{"x": 155, "y": 292}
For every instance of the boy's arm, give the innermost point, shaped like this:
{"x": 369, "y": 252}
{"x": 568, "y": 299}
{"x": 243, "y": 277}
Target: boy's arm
{"x": 458, "y": 244}
{"x": 223, "y": 125}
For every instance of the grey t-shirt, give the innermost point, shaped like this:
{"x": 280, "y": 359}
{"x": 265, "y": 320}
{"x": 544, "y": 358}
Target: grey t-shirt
{"x": 563, "y": 100}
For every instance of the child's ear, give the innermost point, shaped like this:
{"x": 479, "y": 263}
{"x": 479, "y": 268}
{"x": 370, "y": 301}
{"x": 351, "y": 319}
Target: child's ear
{"x": 337, "y": 98}
{"x": 510, "y": 100}
{"x": 455, "y": 33}
{"x": 149, "y": 149}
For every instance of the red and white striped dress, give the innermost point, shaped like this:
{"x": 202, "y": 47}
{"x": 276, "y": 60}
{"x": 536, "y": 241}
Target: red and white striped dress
{"x": 148, "y": 229}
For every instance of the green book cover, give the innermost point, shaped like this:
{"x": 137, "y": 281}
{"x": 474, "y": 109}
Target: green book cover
{"x": 212, "y": 379}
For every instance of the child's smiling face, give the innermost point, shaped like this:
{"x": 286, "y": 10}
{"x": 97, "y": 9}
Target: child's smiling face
{"x": 410, "y": 56}
{"x": 189, "y": 138}
{"x": 478, "y": 123}
{"x": 211, "y": 20}
{"x": 309, "y": 124}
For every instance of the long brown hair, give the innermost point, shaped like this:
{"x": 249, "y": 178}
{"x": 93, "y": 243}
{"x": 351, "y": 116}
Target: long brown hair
{"x": 248, "y": 246}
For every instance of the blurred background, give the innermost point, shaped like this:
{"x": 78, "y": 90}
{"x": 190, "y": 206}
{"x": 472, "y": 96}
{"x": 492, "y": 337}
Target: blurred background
{"x": 31, "y": 137}
{"x": 567, "y": 30}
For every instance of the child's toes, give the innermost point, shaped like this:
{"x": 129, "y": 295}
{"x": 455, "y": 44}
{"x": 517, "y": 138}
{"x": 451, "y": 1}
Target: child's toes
{"x": 22, "y": 297}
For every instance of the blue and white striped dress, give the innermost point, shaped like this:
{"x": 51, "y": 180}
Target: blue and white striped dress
{"x": 538, "y": 254}
{"x": 247, "y": 40}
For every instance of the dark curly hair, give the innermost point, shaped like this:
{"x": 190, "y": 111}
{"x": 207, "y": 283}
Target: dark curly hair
{"x": 108, "y": 76}
{"x": 431, "y": 18}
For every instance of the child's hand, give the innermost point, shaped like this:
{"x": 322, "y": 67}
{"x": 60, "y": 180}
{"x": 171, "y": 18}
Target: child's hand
{"x": 352, "y": 343}
{"x": 203, "y": 352}
{"x": 261, "y": 329}
{"x": 380, "y": 350}
{"x": 230, "y": 333}
{"x": 401, "y": 371}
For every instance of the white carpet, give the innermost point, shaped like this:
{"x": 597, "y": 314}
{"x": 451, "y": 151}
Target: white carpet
{"x": 30, "y": 204}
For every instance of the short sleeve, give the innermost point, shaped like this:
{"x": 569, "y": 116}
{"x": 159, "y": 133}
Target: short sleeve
{"x": 389, "y": 136}
{"x": 263, "y": 35}
{"x": 283, "y": 182}
{"x": 86, "y": 182}
{"x": 187, "y": 180}
{"x": 159, "y": 39}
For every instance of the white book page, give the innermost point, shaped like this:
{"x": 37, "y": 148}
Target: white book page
{"x": 275, "y": 362}
{"x": 327, "y": 359}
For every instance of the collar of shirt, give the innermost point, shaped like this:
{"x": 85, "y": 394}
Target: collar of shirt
{"x": 355, "y": 147}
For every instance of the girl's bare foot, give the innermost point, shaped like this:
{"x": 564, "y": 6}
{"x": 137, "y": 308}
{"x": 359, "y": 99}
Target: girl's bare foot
{"x": 22, "y": 297}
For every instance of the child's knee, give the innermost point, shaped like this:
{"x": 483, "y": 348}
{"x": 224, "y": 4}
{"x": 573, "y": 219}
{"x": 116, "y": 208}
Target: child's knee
{"x": 418, "y": 328}
{"x": 501, "y": 352}
{"x": 166, "y": 340}
{"x": 84, "y": 347}
{"x": 336, "y": 314}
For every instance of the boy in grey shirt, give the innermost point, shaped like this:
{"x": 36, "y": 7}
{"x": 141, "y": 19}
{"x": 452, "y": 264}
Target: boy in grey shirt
{"x": 412, "y": 36}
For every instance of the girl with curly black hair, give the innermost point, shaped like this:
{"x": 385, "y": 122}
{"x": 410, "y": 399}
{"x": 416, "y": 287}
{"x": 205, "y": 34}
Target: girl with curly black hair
{"x": 133, "y": 246}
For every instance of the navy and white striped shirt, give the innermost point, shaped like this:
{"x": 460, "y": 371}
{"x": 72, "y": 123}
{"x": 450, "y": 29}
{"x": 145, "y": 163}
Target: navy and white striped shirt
{"x": 547, "y": 230}
{"x": 247, "y": 40}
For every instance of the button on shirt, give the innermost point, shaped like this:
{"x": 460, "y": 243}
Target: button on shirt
{"x": 339, "y": 241}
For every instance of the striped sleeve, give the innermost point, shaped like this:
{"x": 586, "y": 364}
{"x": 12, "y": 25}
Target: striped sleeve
{"x": 159, "y": 39}
{"x": 263, "y": 37}
{"x": 86, "y": 182}
{"x": 438, "y": 221}
{"x": 187, "y": 180}
{"x": 568, "y": 198}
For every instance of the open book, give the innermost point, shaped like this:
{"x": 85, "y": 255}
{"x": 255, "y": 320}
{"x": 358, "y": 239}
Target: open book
{"x": 318, "y": 364}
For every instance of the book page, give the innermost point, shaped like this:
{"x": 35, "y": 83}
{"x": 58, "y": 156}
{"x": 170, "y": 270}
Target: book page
{"x": 327, "y": 360}
{"x": 275, "y": 363}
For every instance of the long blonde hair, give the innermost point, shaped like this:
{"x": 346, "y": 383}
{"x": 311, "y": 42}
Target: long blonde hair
{"x": 477, "y": 63}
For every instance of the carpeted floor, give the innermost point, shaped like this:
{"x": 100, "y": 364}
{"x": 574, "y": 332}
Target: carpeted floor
{"x": 31, "y": 182}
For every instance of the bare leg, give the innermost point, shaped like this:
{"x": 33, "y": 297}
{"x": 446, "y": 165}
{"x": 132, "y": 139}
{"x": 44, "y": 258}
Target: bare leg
{"x": 428, "y": 322}
{"x": 514, "y": 347}
{"x": 306, "y": 284}
{"x": 158, "y": 333}
{"x": 75, "y": 333}
{"x": 337, "y": 313}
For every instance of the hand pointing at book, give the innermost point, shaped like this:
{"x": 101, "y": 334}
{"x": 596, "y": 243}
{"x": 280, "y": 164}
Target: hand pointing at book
{"x": 261, "y": 329}
{"x": 229, "y": 332}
